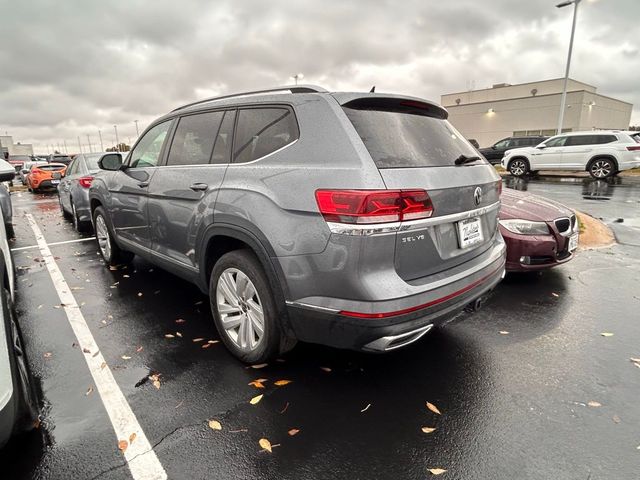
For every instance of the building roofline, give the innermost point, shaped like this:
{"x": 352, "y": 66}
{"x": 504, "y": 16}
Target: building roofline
{"x": 537, "y": 96}
{"x": 517, "y": 85}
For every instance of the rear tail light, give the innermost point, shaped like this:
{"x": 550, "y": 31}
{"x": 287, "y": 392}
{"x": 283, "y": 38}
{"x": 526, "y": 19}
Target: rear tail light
{"x": 634, "y": 148}
{"x": 373, "y": 206}
{"x": 499, "y": 187}
{"x": 85, "y": 182}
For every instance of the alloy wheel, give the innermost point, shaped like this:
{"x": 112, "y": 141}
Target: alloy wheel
{"x": 517, "y": 168}
{"x": 601, "y": 168}
{"x": 102, "y": 235}
{"x": 240, "y": 309}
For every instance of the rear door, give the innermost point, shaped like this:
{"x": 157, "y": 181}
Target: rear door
{"x": 580, "y": 148}
{"x": 414, "y": 150}
{"x": 128, "y": 187}
{"x": 183, "y": 191}
{"x": 64, "y": 189}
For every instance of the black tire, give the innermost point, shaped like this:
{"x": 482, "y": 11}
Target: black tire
{"x": 79, "y": 225}
{"x": 113, "y": 255}
{"x": 518, "y": 167}
{"x": 8, "y": 227}
{"x": 27, "y": 399}
{"x": 65, "y": 214}
{"x": 273, "y": 340}
{"x": 600, "y": 168}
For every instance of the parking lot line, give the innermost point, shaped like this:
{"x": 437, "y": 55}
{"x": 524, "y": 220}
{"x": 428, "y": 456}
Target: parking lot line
{"x": 52, "y": 244}
{"x": 141, "y": 459}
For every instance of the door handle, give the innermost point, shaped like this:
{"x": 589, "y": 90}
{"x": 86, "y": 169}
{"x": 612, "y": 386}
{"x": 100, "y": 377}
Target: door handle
{"x": 199, "y": 187}
{"x": 143, "y": 184}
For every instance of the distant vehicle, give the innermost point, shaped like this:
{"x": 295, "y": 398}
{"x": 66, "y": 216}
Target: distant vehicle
{"x": 45, "y": 176}
{"x": 357, "y": 220}
{"x": 7, "y": 173}
{"x": 18, "y": 401}
{"x": 473, "y": 142}
{"x": 601, "y": 153}
{"x": 24, "y": 171}
{"x": 539, "y": 232}
{"x": 17, "y": 161}
{"x": 495, "y": 152}
{"x": 73, "y": 191}
{"x": 59, "y": 158}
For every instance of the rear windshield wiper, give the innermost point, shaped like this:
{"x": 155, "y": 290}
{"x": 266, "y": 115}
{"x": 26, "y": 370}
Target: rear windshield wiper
{"x": 462, "y": 159}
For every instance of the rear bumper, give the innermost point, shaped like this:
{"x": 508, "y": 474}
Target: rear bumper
{"x": 43, "y": 184}
{"x": 7, "y": 418}
{"x": 395, "y": 327}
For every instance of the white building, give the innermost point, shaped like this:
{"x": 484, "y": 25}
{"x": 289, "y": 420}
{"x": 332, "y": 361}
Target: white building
{"x": 504, "y": 110}
{"x": 7, "y": 145}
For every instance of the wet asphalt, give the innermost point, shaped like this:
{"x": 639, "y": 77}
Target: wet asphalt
{"x": 513, "y": 381}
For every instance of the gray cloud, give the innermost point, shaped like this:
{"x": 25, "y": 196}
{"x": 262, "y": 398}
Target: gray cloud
{"x": 71, "y": 68}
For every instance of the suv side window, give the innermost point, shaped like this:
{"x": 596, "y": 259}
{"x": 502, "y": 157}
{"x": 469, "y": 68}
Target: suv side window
{"x": 193, "y": 141}
{"x": 261, "y": 131}
{"x": 606, "y": 139}
{"x": 502, "y": 143}
{"x": 224, "y": 139}
{"x": 147, "y": 151}
{"x": 556, "y": 142}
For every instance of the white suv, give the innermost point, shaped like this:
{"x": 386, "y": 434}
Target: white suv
{"x": 601, "y": 153}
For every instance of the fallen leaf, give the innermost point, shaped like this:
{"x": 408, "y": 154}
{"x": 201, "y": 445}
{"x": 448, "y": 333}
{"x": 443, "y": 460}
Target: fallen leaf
{"x": 86, "y": 350}
{"x": 281, "y": 383}
{"x": 256, "y": 384}
{"x": 139, "y": 349}
{"x": 293, "y": 431}
{"x": 47, "y": 355}
{"x": 139, "y": 294}
{"x": 365, "y": 408}
{"x": 169, "y": 335}
{"x": 607, "y": 334}
{"x": 122, "y": 445}
{"x": 635, "y": 360}
{"x": 112, "y": 268}
{"x": 132, "y": 437}
{"x": 104, "y": 364}
{"x": 428, "y": 429}
{"x": 265, "y": 444}
{"x": 155, "y": 379}
{"x": 436, "y": 471}
{"x": 255, "y": 399}
{"x": 325, "y": 369}
{"x": 215, "y": 425}
{"x": 504, "y": 332}
{"x": 89, "y": 391}
{"x": 594, "y": 404}
{"x": 206, "y": 345}
{"x": 126, "y": 357}
{"x": 555, "y": 294}
{"x": 178, "y": 334}
{"x": 196, "y": 340}
{"x": 433, "y": 408}
{"x": 616, "y": 418}
{"x": 213, "y": 342}
{"x": 259, "y": 365}
{"x": 180, "y": 320}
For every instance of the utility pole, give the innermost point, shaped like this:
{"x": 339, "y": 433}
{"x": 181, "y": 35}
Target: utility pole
{"x": 137, "y": 132}
{"x": 101, "y": 145}
{"x": 563, "y": 102}
{"x": 79, "y": 144}
{"x": 115, "y": 127}
{"x": 66, "y": 149}
{"x": 89, "y": 142}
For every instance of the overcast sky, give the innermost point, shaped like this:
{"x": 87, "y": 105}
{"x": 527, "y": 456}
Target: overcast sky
{"x": 70, "y": 68}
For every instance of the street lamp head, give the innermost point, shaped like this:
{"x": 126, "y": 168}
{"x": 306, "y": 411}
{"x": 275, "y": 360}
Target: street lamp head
{"x": 567, "y": 3}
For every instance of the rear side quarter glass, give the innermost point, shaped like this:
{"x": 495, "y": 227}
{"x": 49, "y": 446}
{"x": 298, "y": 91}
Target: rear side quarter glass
{"x": 263, "y": 130}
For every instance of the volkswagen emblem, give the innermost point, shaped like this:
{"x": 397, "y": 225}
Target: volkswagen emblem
{"x": 477, "y": 195}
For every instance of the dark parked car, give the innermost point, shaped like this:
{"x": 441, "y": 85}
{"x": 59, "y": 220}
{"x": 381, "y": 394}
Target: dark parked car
{"x": 495, "y": 152}
{"x": 7, "y": 173}
{"x": 59, "y": 158}
{"x": 539, "y": 233}
{"x": 73, "y": 190}
{"x": 357, "y": 220}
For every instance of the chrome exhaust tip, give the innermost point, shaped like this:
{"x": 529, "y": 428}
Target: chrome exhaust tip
{"x": 391, "y": 342}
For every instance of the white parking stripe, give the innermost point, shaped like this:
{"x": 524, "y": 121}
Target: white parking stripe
{"x": 142, "y": 460}
{"x": 53, "y": 244}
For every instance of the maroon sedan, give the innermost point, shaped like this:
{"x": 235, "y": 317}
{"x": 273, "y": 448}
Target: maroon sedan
{"x": 539, "y": 233}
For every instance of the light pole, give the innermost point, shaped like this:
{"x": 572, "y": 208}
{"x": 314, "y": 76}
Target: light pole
{"x": 297, "y": 76}
{"x": 137, "y": 132}
{"x": 79, "y": 144}
{"x": 115, "y": 127}
{"x": 66, "y": 149}
{"x": 566, "y": 73}
{"x": 89, "y": 142}
{"x": 101, "y": 145}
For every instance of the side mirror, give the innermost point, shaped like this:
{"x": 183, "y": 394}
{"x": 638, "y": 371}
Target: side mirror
{"x": 111, "y": 162}
{"x": 541, "y": 146}
{"x": 493, "y": 147}
{"x": 7, "y": 176}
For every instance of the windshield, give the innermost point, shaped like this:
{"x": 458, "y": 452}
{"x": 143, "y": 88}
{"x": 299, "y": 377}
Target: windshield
{"x": 406, "y": 140}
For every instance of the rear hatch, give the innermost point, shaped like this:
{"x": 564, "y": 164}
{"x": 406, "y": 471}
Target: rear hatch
{"x": 415, "y": 147}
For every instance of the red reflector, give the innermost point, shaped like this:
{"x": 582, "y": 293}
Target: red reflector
{"x": 373, "y": 206}
{"x": 85, "y": 182}
{"x": 634, "y": 148}
{"x": 419, "y": 307}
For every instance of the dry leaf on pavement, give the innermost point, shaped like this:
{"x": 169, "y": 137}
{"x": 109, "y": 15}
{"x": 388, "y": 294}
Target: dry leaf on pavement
{"x": 132, "y": 437}
{"x": 255, "y": 399}
{"x": 433, "y": 408}
{"x": 293, "y": 431}
{"x": 206, "y": 345}
{"x": 594, "y": 404}
{"x": 169, "y": 335}
{"x": 215, "y": 425}
{"x": 260, "y": 365}
{"x": 126, "y": 357}
{"x": 436, "y": 471}
{"x": 503, "y": 332}
{"x": 256, "y": 383}
{"x": 196, "y": 340}
{"x": 616, "y": 419}
{"x": 281, "y": 383}
{"x": 180, "y": 320}
{"x": 47, "y": 355}
{"x": 155, "y": 379}
{"x": 122, "y": 445}
{"x": 325, "y": 369}
{"x": 428, "y": 429}
{"x": 365, "y": 408}
{"x": 607, "y": 334}
{"x": 89, "y": 391}
{"x": 265, "y": 444}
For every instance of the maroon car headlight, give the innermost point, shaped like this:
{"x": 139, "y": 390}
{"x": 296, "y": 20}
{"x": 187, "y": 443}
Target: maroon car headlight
{"x": 525, "y": 227}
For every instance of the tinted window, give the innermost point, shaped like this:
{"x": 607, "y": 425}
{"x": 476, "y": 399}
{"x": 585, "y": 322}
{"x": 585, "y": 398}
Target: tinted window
{"x": 261, "y": 131}
{"x": 50, "y": 168}
{"x": 606, "y": 139}
{"x": 147, "y": 151}
{"x": 556, "y": 142}
{"x": 73, "y": 166}
{"x": 193, "y": 141}
{"x": 502, "y": 143}
{"x": 576, "y": 140}
{"x": 92, "y": 161}
{"x": 636, "y": 137}
{"x": 222, "y": 149}
{"x": 401, "y": 140}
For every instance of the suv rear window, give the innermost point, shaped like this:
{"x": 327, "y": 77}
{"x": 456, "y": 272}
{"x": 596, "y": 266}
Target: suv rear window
{"x": 261, "y": 131}
{"x": 407, "y": 140}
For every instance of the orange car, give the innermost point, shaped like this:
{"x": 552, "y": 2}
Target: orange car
{"x": 45, "y": 176}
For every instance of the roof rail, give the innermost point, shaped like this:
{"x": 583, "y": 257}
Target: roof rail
{"x": 290, "y": 88}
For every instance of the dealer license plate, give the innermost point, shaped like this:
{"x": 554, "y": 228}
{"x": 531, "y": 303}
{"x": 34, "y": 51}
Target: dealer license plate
{"x": 573, "y": 242}
{"x": 469, "y": 232}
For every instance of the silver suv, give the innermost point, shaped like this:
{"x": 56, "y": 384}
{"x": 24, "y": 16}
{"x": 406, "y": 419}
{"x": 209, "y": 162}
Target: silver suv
{"x": 357, "y": 220}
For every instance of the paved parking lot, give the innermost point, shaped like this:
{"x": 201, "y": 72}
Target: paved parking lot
{"x": 526, "y": 388}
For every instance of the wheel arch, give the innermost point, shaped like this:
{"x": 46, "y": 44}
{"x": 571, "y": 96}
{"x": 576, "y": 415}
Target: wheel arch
{"x": 603, "y": 156}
